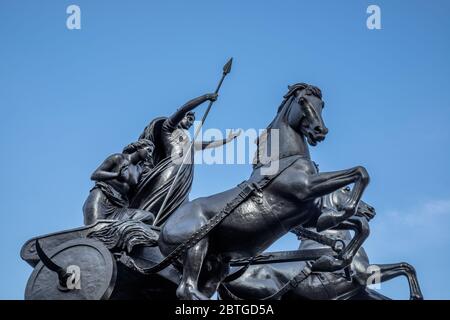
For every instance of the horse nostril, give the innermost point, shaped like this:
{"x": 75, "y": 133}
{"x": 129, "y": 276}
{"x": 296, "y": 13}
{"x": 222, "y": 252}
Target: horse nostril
{"x": 318, "y": 129}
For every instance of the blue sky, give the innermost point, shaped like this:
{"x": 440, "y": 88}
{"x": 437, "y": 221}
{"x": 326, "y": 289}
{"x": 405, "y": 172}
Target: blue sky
{"x": 69, "y": 98}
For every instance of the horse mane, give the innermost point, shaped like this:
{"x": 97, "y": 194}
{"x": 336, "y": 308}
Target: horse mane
{"x": 261, "y": 141}
{"x": 312, "y": 90}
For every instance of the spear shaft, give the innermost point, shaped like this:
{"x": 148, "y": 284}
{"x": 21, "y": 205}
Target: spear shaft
{"x": 159, "y": 217}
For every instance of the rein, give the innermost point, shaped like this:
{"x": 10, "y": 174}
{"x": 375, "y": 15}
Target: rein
{"x": 247, "y": 189}
{"x": 260, "y": 164}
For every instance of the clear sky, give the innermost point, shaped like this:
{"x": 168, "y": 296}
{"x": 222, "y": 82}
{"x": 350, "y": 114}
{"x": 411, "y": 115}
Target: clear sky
{"x": 69, "y": 98}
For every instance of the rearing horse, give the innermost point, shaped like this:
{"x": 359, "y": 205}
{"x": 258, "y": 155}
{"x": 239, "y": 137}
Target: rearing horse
{"x": 291, "y": 198}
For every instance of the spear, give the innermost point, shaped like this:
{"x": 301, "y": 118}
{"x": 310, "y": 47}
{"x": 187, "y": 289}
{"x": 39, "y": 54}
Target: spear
{"x": 159, "y": 217}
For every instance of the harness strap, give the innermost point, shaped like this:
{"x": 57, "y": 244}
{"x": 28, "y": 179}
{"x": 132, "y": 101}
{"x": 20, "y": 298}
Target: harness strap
{"x": 198, "y": 235}
{"x": 293, "y": 283}
{"x": 288, "y": 286}
{"x": 336, "y": 244}
{"x": 228, "y": 293}
{"x": 241, "y": 271}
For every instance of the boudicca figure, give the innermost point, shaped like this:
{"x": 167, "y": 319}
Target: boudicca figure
{"x": 171, "y": 140}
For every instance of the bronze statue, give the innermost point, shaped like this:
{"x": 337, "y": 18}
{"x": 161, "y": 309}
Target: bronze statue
{"x": 264, "y": 280}
{"x": 244, "y": 221}
{"x": 144, "y": 239}
{"x": 171, "y": 144}
{"x": 114, "y": 180}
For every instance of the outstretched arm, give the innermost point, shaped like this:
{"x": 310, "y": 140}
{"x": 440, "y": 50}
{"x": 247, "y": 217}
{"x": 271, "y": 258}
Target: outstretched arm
{"x": 104, "y": 172}
{"x": 189, "y": 106}
{"x": 202, "y": 145}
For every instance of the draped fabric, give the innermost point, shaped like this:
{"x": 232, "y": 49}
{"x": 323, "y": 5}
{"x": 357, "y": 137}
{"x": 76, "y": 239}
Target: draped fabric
{"x": 153, "y": 187}
{"x": 155, "y": 182}
{"x": 115, "y": 197}
{"x": 104, "y": 202}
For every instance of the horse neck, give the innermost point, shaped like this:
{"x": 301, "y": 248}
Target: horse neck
{"x": 290, "y": 142}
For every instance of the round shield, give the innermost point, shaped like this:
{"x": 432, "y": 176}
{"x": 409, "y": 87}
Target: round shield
{"x": 90, "y": 264}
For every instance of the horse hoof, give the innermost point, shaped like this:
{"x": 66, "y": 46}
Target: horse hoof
{"x": 416, "y": 297}
{"x": 188, "y": 293}
{"x": 327, "y": 264}
{"x": 326, "y": 221}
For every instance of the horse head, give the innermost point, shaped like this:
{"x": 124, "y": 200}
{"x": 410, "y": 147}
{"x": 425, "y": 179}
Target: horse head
{"x": 306, "y": 112}
{"x": 339, "y": 198}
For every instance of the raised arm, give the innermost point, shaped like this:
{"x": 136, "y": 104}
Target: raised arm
{"x": 104, "y": 172}
{"x": 202, "y": 145}
{"x": 189, "y": 106}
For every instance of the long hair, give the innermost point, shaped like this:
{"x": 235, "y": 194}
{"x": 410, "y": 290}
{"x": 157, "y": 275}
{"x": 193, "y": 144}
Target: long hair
{"x": 152, "y": 132}
{"x": 138, "y": 145}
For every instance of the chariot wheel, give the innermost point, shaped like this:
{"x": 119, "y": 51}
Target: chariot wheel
{"x": 93, "y": 270}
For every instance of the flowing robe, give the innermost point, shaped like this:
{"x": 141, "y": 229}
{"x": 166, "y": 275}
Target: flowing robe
{"x": 155, "y": 182}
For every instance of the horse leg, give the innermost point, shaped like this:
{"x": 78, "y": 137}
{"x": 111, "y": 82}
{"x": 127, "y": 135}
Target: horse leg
{"x": 390, "y": 271}
{"x": 321, "y": 184}
{"x": 188, "y": 288}
{"x": 214, "y": 271}
{"x": 361, "y": 227}
{"x": 362, "y": 231}
{"x": 330, "y": 264}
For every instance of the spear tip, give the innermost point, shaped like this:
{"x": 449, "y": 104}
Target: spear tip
{"x": 227, "y": 66}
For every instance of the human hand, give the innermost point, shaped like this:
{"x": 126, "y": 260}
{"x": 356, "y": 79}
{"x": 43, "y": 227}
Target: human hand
{"x": 211, "y": 96}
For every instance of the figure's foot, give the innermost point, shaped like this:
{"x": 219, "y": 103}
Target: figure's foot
{"x": 328, "y": 264}
{"x": 187, "y": 292}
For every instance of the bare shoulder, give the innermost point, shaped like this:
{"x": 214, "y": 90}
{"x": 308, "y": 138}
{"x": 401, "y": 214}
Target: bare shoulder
{"x": 116, "y": 157}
